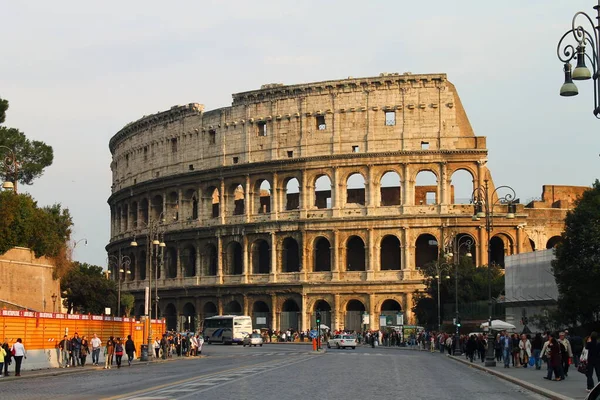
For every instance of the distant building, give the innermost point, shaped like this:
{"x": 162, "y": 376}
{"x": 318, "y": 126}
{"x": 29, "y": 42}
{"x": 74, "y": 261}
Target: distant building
{"x": 530, "y": 287}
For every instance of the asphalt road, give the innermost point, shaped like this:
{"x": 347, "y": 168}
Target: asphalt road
{"x": 276, "y": 372}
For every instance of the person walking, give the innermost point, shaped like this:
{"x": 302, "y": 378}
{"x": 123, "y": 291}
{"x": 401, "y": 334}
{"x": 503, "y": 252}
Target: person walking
{"x": 471, "y": 347}
{"x": 75, "y": 350}
{"x": 65, "y": 352}
{"x": 566, "y": 353}
{"x": 109, "y": 351}
{"x": 19, "y": 353}
{"x": 156, "y": 347}
{"x": 84, "y": 351}
{"x": 498, "y": 348}
{"x": 129, "y": 349}
{"x": 524, "y": 350}
{"x": 118, "y": 352}
{"x": 593, "y": 360}
{"x": 536, "y": 350}
{"x": 2, "y": 357}
{"x": 7, "y": 358}
{"x": 554, "y": 362}
{"x": 506, "y": 343}
{"x": 96, "y": 343}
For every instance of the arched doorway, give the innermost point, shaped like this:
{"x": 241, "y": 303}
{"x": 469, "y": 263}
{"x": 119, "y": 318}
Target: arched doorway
{"x": 233, "y": 308}
{"x": 390, "y": 253}
{"x": 497, "y": 251}
{"x": 553, "y": 241}
{"x": 426, "y": 250}
{"x": 171, "y": 317}
{"x": 322, "y": 255}
{"x": 325, "y": 309}
{"x": 355, "y": 254}
{"x": 261, "y": 260}
{"x": 290, "y": 315}
{"x": 233, "y": 265}
{"x": 354, "y": 311}
{"x": 189, "y": 317}
{"x": 291, "y": 256}
{"x": 261, "y": 315}
{"x": 209, "y": 310}
{"x": 390, "y": 309}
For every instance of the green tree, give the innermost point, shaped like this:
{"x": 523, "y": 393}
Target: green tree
{"x": 86, "y": 289}
{"x": 577, "y": 264}
{"x": 32, "y": 156}
{"x": 127, "y": 302}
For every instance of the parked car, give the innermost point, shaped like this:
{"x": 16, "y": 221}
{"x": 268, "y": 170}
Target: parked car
{"x": 342, "y": 341}
{"x": 254, "y": 339}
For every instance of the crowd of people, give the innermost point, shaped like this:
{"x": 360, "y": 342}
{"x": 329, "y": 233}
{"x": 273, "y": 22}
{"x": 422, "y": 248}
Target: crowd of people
{"x": 9, "y": 353}
{"x": 186, "y": 344}
{"x": 74, "y": 351}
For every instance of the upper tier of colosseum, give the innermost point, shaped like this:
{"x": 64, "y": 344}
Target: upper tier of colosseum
{"x": 390, "y": 113}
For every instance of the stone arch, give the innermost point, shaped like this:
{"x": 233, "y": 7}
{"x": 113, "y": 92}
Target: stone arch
{"x": 171, "y": 317}
{"x": 210, "y": 309}
{"x": 232, "y": 308}
{"x": 290, "y": 258}
{"x": 553, "y": 241}
{"x": 390, "y": 254}
{"x": 261, "y": 314}
{"x": 189, "y": 317}
{"x": 325, "y": 309}
{"x": 426, "y": 250}
{"x": 191, "y": 211}
{"x": 237, "y": 198}
{"x": 212, "y": 202}
{"x": 390, "y": 305}
{"x": 262, "y": 196}
{"x": 355, "y": 189}
{"x": 462, "y": 183}
{"x": 354, "y": 311}
{"x": 144, "y": 210}
{"x": 170, "y": 262}
{"x": 173, "y": 205}
{"x": 209, "y": 260}
{"x": 355, "y": 254}
{"x": 261, "y": 257}
{"x": 323, "y": 191}
{"x": 322, "y": 257}
{"x": 389, "y": 189}
{"x": 500, "y": 245}
{"x": 426, "y": 188}
{"x": 292, "y": 194}
{"x": 290, "y": 315}
{"x": 156, "y": 206}
{"x": 233, "y": 261}
{"x": 188, "y": 260}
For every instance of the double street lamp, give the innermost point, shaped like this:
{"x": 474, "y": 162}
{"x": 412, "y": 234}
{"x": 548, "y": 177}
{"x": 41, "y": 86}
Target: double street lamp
{"x": 484, "y": 200}
{"x": 122, "y": 264}
{"x": 10, "y": 165}
{"x": 440, "y": 268}
{"x": 567, "y": 52}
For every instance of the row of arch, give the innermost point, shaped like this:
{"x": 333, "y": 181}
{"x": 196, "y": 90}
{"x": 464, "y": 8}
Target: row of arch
{"x": 233, "y": 200}
{"x": 262, "y": 314}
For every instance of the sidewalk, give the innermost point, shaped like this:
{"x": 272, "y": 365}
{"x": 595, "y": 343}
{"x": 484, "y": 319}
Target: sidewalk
{"x": 573, "y": 387}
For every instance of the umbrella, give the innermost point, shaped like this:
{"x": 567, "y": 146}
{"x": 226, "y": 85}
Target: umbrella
{"x": 499, "y": 325}
{"x": 324, "y": 327}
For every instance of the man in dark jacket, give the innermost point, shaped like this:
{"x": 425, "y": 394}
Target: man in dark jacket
{"x": 65, "y": 352}
{"x": 75, "y": 349}
{"x": 129, "y": 349}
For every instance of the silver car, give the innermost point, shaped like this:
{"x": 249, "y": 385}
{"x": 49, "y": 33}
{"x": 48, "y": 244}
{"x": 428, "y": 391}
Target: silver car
{"x": 253, "y": 339}
{"x": 342, "y": 341}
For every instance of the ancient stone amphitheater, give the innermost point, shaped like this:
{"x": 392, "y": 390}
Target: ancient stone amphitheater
{"x": 328, "y": 195}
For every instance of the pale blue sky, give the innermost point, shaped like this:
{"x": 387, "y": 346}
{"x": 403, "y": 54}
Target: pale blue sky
{"x": 76, "y": 72}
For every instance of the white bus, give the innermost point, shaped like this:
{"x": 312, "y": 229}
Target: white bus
{"x": 227, "y": 329}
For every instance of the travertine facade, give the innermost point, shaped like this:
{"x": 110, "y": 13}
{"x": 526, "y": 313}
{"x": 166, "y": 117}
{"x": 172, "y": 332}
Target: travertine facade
{"x": 278, "y": 205}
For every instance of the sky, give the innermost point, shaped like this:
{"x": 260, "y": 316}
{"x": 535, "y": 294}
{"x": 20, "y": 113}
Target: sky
{"x": 76, "y": 72}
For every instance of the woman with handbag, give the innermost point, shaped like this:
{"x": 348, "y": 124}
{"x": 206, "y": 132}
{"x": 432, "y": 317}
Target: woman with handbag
{"x": 524, "y": 350}
{"x": 118, "y": 352}
{"x": 18, "y": 352}
{"x": 85, "y": 350}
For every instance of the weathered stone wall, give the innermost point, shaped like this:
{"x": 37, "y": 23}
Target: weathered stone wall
{"x": 26, "y": 282}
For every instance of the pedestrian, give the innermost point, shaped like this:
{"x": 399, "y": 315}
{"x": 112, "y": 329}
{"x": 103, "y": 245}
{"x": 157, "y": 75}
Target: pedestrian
{"x": 481, "y": 345}
{"x": 7, "y": 358}
{"x": 471, "y": 347}
{"x": 129, "y": 349}
{"x": 506, "y": 343}
{"x": 109, "y": 351}
{"x": 19, "y": 352}
{"x": 118, "y": 352}
{"x": 2, "y": 357}
{"x": 524, "y": 350}
{"x": 593, "y": 360}
{"x": 65, "y": 351}
{"x": 498, "y": 347}
{"x": 85, "y": 350}
{"x": 554, "y": 361}
{"x": 566, "y": 353}
{"x": 516, "y": 350}
{"x": 577, "y": 346}
{"x": 75, "y": 349}
{"x": 536, "y": 347}
{"x": 96, "y": 343}
{"x": 156, "y": 347}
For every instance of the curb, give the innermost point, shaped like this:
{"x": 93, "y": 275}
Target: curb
{"x": 529, "y": 386}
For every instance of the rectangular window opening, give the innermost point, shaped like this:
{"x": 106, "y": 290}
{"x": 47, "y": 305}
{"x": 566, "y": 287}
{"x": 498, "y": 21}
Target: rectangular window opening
{"x": 390, "y": 118}
{"x": 146, "y": 153}
{"x": 235, "y": 160}
{"x": 424, "y": 145}
{"x": 262, "y": 128}
{"x": 191, "y": 167}
{"x": 355, "y": 149}
{"x": 174, "y": 145}
{"x": 127, "y": 160}
{"x": 430, "y": 198}
{"x": 290, "y": 154}
{"x": 157, "y": 174}
{"x": 321, "y": 125}
{"x": 212, "y": 136}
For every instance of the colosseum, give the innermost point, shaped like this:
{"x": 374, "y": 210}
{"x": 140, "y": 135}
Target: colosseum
{"x": 329, "y": 195}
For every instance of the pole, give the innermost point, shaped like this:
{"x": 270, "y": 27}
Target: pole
{"x": 149, "y": 239}
{"x": 438, "y": 300}
{"x": 457, "y": 351}
{"x": 119, "y": 292}
{"x": 490, "y": 360}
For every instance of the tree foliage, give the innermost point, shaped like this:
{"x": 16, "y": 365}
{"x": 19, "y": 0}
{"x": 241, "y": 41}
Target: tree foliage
{"x": 86, "y": 290}
{"x": 127, "y": 303}
{"x": 577, "y": 264}
{"x": 472, "y": 287}
{"x": 32, "y": 156}
{"x": 45, "y": 230}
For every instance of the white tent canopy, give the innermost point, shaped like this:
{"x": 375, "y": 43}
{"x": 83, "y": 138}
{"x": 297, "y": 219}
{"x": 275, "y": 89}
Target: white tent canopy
{"x": 499, "y": 325}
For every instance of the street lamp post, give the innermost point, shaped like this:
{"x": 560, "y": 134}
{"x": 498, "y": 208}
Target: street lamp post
{"x": 10, "y": 166}
{"x": 484, "y": 203}
{"x": 439, "y": 269}
{"x": 54, "y": 297}
{"x": 567, "y": 52}
{"x": 123, "y": 263}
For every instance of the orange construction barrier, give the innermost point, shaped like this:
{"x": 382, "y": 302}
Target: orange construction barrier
{"x": 314, "y": 344}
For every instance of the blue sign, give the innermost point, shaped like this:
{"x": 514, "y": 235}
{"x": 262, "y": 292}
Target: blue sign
{"x": 313, "y": 334}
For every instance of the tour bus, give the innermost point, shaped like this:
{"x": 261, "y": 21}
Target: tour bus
{"x": 227, "y": 329}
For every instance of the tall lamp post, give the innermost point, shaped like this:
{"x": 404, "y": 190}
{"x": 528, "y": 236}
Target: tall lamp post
{"x": 54, "y": 297}
{"x": 484, "y": 202}
{"x": 567, "y": 52}
{"x": 10, "y": 165}
{"x": 440, "y": 268}
{"x": 154, "y": 244}
{"x": 122, "y": 264}
{"x": 453, "y": 251}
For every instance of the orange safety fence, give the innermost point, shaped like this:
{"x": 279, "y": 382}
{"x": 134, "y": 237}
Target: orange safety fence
{"x": 43, "y": 331}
